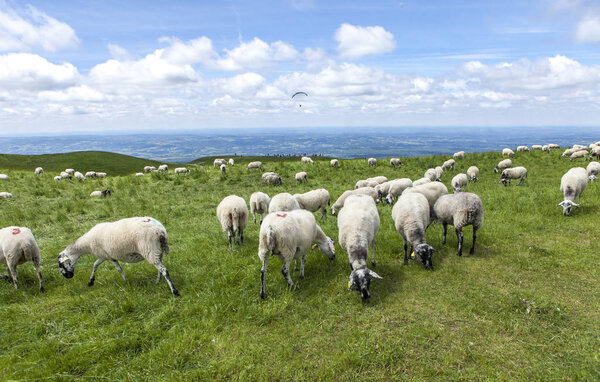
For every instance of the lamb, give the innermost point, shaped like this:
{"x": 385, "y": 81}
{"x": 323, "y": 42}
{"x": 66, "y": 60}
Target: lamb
{"x": 372, "y": 162}
{"x": 223, "y": 168}
{"x": 430, "y": 174}
{"x": 579, "y": 154}
{"x": 65, "y": 175}
{"x": 358, "y": 223}
{"x": 432, "y": 191}
{"x": 79, "y": 176}
{"x": 17, "y": 245}
{"x": 572, "y": 185}
{"x": 396, "y": 189}
{"x": 307, "y": 160}
{"x": 395, "y": 162}
{"x": 314, "y": 200}
{"x": 283, "y": 202}
{"x": 439, "y": 171}
{"x": 289, "y": 236}
{"x": 334, "y": 163}
{"x": 101, "y": 174}
{"x": 232, "y": 213}
{"x": 149, "y": 168}
{"x": 365, "y": 183}
{"x": 231, "y": 162}
{"x": 302, "y": 176}
{"x": 3, "y": 176}
{"x": 522, "y": 148}
{"x": 129, "y": 240}
{"x": 5, "y": 195}
{"x": 139, "y": 174}
{"x": 253, "y": 165}
{"x": 459, "y": 182}
{"x": 39, "y": 171}
{"x": 411, "y": 218}
{"x": 536, "y": 147}
{"x": 421, "y": 181}
{"x": 503, "y": 164}
{"x": 460, "y": 210}
{"x": 273, "y": 179}
{"x": 259, "y": 204}
{"x": 101, "y": 193}
{"x": 508, "y": 152}
{"x": 90, "y": 174}
{"x": 218, "y": 162}
{"x": 459, "y": 155}
{"x": 70, "y": 171}
{"x": 593, "y": 169}
{"x": 339, "y": 203}
{"x": 449, "y": 164}
{"x": 472, "y": 173}
{"x": 513, "y": 173}
{"x": 181, "y": 170}
{"x": 163, "y": 168}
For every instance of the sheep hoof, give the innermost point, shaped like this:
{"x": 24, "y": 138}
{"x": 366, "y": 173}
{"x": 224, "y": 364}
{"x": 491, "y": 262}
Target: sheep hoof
{"x": 91, "y": 282}
{"x": 42, "y": 289}
{"x": 176, "y": 293}
{"x": 373, "y": 264}
{"x": 262, "y": 296}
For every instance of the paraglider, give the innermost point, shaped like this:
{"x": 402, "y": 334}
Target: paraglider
{"x": 299, "y": 93}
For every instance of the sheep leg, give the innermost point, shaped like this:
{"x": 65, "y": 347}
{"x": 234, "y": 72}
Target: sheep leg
{"x": 302, "y": 262}
{"x": 521, "y": 181}
{"x": 263, "y": 271}
{"x": 161, "y": 268}
{"x": 94, "y": 267}
{"x": 405, "y": 252}
{"x": 285, "y": 271}
{"x": 157, "y": 278}
{"x": 230, "y": 237}
{"x": 118, "y": 266}
{"x": 254, "y": 214}
{"x": 459, "y": 236}
{"x": 323, "y": 213}
{"x": 241, "y": 235}
{"x": 474, "y": 238}
{"x": 373, "y": 259}
{"x": 12, "y": 270}
{"x": 36, "y": 263}
{"x": 445, "y": 232}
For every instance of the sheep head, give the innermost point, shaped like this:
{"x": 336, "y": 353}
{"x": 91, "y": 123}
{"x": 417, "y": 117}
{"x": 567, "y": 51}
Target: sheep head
{"x": 425, "y": 252}
{"x": 567, "y": 205}
{"x": 67, "y": 266}
{"x": 360, "y": 279}
{"x": 328, "y": 248}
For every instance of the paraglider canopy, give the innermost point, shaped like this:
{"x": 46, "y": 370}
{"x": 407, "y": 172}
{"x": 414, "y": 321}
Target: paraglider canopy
{"x": 299, "y": 93}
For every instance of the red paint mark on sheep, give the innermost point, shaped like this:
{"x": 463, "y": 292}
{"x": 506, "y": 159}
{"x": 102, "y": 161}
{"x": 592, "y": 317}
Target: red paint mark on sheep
{"x": 147, "y": 220}
{"x": 281, "y": 215}
{"x": 16, "y": 231}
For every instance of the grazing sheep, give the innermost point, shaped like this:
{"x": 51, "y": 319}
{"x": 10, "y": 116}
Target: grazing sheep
{"x": 129, "y": 240}
{"x": 358, "y": 223}
{"x": 522, "y": 148}
{"x": 139, "y": 174}
{"x": 460, "y": 210}
{"x": 339, "y": 203}
{"x": 432, "y": 191}
{"x": 232, "y": 213}
{"x": 231, "y": 162}
{"x": 307, "y": 160}
{"x": 79, "y": 176}
{"x": 568, "y": 152}
{"x": 572, "y": 185}
{"x": 379, "y": 179}
{"x": 334, "y": 163}
{"x": 395, "y": 162}
{"x": 579, "y": 154}
{"x": 503, "y": 164}
{"x": 472, "y": 173}
{"x": 508, "y": 152}
{"x": 449, "y": 164}
{"x": 101, "y": 193}
{"x": 70, "y": 171}
{"x": 90, "y": 174}
{"x": 579, "y": 147}
{"x": 3, "y": 176}
{"x": 101, "y": 174}
{"x": 595, "y": 152}
{"x": 253, "y": 165}
{"x": 372, "y": 162}
{"x": 430, "y": 174}
{"x": 218, "y": 162}
{"x": 65, "y": 175}
{"x": 57, "y": 177}
{"x": 283, "y": 202}
{"x": 302, "y": 176}
{"x": 181, "y": 170}
{"x": 513, "y": 173}
{"x": 421, "y": 181}
{"x": 163, "y": 168}
{"x": 288, "y": 236}
{"x": 536, "y": 147}
{"x": 39, "y": 171}
{"x": 273, "y": 179}
{"x": 223, "y": 168}
{"x": 593, "y": 169}
{"x": 459, "y": 155}
{"x": 546, "y": 148}
{"x": 259, "y": 204}
{"x": 149, "y": 168}
{"x": 17, "y": 245}
{"x": 5, "y": 195}
{"x": 411, "y": 219}
{"x": 366, "y": 183}
{"x": 553, "y": 146}
{"x": 459, "y": 182}
{"x": 439, "y": 171}
{"x": 314, "y": 200}
{"x": 397, "y": 187}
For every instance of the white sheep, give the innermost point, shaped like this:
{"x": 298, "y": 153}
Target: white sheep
{"x": 3, "y": 176}
{"x": 288, "y": 236}
{"x": 90, "y": 174}
{"x": 397, "y": 187}
{"x": 223, "y": 168}
{"x": 232, "y": 213}
{"x": 379, "y": 179}
{"x": 568, "y": 152}
{"x": 579, "y": 147}
{"x": 595, "y": 152}
{"x": 307, "y": 160}
{"x": 231, "y": 162}
{"x": 149, "y": 168}
{"x": 79, "y": 176}
{"x": 553, "y": 146}
{"x": 460, "y": 210}
{"x": 57, "y": 177}
{"x": 259, "y": 204}
{"x": 430, "y": 174}
{"x": 139, "y": 174}
{"x": 129, "y": 240}
{"x": 70, "y": 171}
{"x": 449, "y": 164}
{"x": 459, "y": 155}
{"x": 503, "y": 164}
{"x": 421, "y": 181}
{"x": 473, "y": 173}
{"x": 536, "y": 147}
{"x": 339, "y": 203}
{"x": 513, "y": 173}
{"x": 546, "y": 148}
{"x": 334, "y": 163}
{"x": 439, "y": 171}
{"x": 253, "y": 165}
{"x": 572, "y": 185}
{"x": 358, "y": 223}
{"x": 579, "y": 154}
{"x": 65, "y": 175}
{"x": 39, "y": 171}
{"x": 314, "y": 200}
{"x": 17, "y": 245}
{"x": 432, "y": 191}
{"x": 522, "y": 148}
{"x": 101, "y": 193}
{"x": 365, "y": 183}
{"x": 101, "y": 174}
{"x": 5, "y": 195}
{"x": 459, "y": 182}
{"x": 302, "y": 176}
{"x": 272, "y": 178}
{"x": 181, "y": 170}
{"x": 163, "y": 168}
{"x": 593, "y": 169}
{"x": 395, "y": 162}
{"x": 283, "y": 202}
{"x": 411, "y": 219}
{"x": 508, "y": 152}
{"x": 372, "y": 162}
{"x": 218, "y": 162}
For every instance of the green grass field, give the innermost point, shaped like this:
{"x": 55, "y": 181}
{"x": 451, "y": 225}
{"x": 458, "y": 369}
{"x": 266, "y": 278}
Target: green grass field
{"x": 525, "y": 306}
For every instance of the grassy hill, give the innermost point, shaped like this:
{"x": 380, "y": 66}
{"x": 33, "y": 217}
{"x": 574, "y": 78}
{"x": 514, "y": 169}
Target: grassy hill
{"x": 524, "y": 306}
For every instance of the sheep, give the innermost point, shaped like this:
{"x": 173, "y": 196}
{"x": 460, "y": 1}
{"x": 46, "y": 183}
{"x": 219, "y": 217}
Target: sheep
{"x": 181, "y": 170}
{"x": 218, "y": 162}
{"x": 365, "y": 183}
{"x": 101, "y": 193}
{"x": 568, "y": 152}
{"x": 101, "y": 174}
{"x": 432, "y": 191}
{"x": 503, "y": 164}
{"x": 314, "y": 200}
{"x": 579, "y": 154}
{"x": 472, "y": 173}
{"x": 513, "y": 173}
{"x": 572, "y": 185}
{"x": 397, "y": 187}
{"x": 273, "y": 179}
{"x": 411, "y": 219}
{"x": 439, "y": 171}
{"x": 459, "y": 210}
{"x": 90, "y": 174}
{"x": 139, "y": 174}
{"x": 232, "y": 213}
{"x": 79, "y": 176}
{"x": 339, "y": 203}
{"x": 459, "y": 155}
{"x": 579, "y": 147}
{"x": 522, "y": 148}
{"x": 379, "y": 179}
{"x": 449, "y": 164}
{"x": 508, "y": 152}
{"x": 307, "y": 160}
{"x": 430, "y": 174}
{"x": 334, "y": 163}
{"x": 395, "y": 162}
{"x": 288, "y": 236}
{"x": 39, "y": 171}
{"x": 163, "y": 168}
{"x": 372, "y": 162}
{"x": 57, "y": 177}
{"x": 70, "y": 171}
{"x": 129, "y": 240}
{"x": 3, "y": 176}
{"x": 223, "y": 168}
{"x": 593, "y": 169}
{"x": 253, "y": 165}
{"x": 536, "y": 147}
{"x": 302, "y": 176}
{"x": 283, "y": 202}
{"x": 65, "y": 175}
{"x": 595, "y": 152}
{"x": 231, "y": 162}
{"x": 149, "y": 168}
{"x": 546, "y": 148}
{"x": 5, "y": 195}
{"x": 553, "y": 146}
{"x": 259, "y": 204}
{"x": 459, "y": 182}
{"x": 358, "y": 223}
{"x": 421, "y": 181}
{"x": 17, "y": 245}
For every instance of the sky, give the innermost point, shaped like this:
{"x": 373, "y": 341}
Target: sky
{"x": 87, "y": 66}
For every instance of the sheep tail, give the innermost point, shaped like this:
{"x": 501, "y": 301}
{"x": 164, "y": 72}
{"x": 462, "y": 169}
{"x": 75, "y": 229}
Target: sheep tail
{"x": 164, "y": 245}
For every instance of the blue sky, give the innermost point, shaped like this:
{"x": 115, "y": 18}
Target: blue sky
{"x": 77, "y": 66}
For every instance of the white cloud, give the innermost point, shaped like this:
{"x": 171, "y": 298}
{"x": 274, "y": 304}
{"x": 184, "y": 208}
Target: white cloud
{"x": 588, "y": 29}
{"x": 191, "y": 52}
{"x": 75, "y": 93}
{"x": 283, "y": 51}
{"x": 32, "y": 72}
{"x": 255, "y": 54}
{"x": 118, "y": 52}
{"x": 33, "y": 30}
{"x": 356, "y": 42}
{"x": 246, "y": 84}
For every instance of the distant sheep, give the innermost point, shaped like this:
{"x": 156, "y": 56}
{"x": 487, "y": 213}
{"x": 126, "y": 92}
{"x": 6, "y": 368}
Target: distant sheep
{"x": 3, "y": 176}
{"x": 397, "y": 187}
{"x": 522, "y": 148}
{"x": 508, "y": 152}
{"x": 460, "y": 210}
{"x": 572, "y": 185}
{"x": 568, "y": 152}
{"x": 503, "y": 164}
{"x": 546, "y": 148}
{"x": 232, "y": 213}
{"x": 57, "y": 177}
{"x": 104, "y": 193}
{"x": 430, "y": 174}
{"x": 432, "y": 191}
{"x": 17, "y": 245}
{"x": 70, "y": 171}
{"x": 372, "y": 162}
{"x": 339, "y": 203}
{"x": 272, "y": 178}
{"x": 579, "y": 154}
{"x": 90, "y": 174}
{"x": 593, "y": 169}
{"x": 163, "y": 168}
{"x": 473, "y": 173}
{"x": 139, "y": 174}
{"x": 223, "y": 168}
{"x": 65, "y": 175}
{"x": 302, "y": 176}
{"x": 253, "y": 165}
{"x": 379, "y": 179}
{"x": 449, "y": 164}
{"x": 283, "y": 202}
{"x": 181, "y": 170}
{"x": 259, "y": 204}
{"x": 459, "y": 182}
{"x": 79, "y": 176}
{"x": 365, "y": 183}
{"x": 149, "y": 168}
{"x": 231, "y": 162}
{"x": 101, "y": 174}
{"x": 334, "y": 163}
{"x": 439, "y": 171}
{"x": 39, "y": 171}
{"x": 513, "y": 173}
{"x": 307, "y": 160}
{"x": 314, "y": 200}
{"x": 218, "y": 162}
{"x": 5, "y": 195}
{"x": 553, "y": 146}
{"x": 536, "y": 147}
{"x": 395, "y": 162}
{"x": 459, "y": 155}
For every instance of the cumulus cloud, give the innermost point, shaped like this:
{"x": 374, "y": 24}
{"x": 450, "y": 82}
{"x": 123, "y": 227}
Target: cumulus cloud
{"x": 191, "y": 52}
{"x": 74, "y": 93}
{"x": 32, "y": 72}
{"x": 255, "y": 54}
{"x": 356, "y": 42}
{"x": 588, "y": 29}
{"x": 33, "y": 30}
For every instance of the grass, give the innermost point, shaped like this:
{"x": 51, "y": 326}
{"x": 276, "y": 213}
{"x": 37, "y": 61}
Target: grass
{"x": 524, "y": 306}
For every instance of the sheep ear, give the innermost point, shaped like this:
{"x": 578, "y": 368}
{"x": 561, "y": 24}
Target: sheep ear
{"x": 373, "y": 274}
{"x": 561, "y": 204}
{"x": 576, "y": 205}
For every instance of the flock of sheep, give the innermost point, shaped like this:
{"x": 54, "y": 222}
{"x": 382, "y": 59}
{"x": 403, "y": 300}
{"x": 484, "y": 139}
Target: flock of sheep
{"x": 288, "y": 227}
